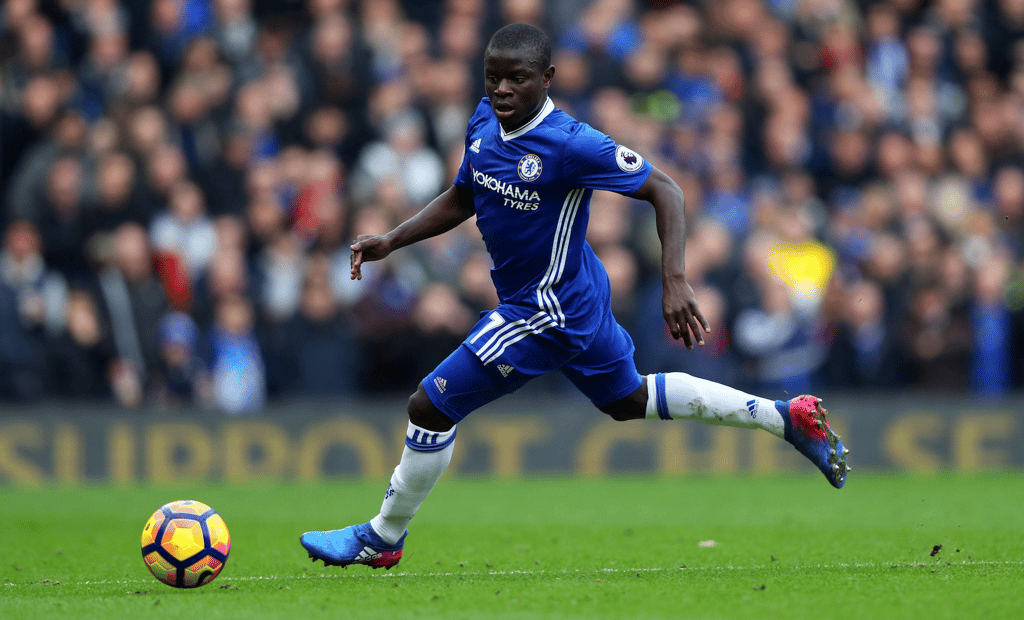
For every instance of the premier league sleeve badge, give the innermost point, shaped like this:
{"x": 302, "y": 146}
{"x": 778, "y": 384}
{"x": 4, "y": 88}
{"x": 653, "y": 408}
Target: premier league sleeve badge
{"x": 628, "y": 160}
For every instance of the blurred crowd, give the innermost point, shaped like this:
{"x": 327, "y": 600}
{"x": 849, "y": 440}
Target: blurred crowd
{"x": 180, "y": 180}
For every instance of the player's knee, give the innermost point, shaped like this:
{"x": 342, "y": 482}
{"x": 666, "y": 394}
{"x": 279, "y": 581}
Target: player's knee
{"x": 618, "y": 416}
{"x": 625, "y": 409}
{"x": 632, "y": 407}
{"x": 424, "y": 414}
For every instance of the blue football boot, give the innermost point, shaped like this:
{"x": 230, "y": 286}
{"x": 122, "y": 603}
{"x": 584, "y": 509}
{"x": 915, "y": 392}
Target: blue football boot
{"x": 355, "y": 544}
{"x": 808, "y": 430}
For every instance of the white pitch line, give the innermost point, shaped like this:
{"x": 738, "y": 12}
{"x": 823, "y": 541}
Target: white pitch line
{"x": 657, "y": 569}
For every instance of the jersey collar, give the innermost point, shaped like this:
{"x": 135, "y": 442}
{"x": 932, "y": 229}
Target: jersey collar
{"x": 546, "y": 109}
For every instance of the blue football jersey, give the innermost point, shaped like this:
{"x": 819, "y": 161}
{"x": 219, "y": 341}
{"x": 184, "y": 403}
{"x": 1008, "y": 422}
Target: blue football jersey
{"x": 531, "y": 191}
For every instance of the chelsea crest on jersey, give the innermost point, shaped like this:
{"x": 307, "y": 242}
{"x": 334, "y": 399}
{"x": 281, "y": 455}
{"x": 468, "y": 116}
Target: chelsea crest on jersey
{"x": 531, "y": 192}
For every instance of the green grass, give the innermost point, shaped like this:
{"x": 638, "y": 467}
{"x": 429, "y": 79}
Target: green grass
{"x": 785, "y": 547}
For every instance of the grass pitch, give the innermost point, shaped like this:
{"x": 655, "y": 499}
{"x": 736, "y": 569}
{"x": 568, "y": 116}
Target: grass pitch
{"x": 737, "y": 547}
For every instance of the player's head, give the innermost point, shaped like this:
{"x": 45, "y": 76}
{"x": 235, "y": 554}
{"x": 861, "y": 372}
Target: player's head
{"x": 523, "y": 38}
{"x": 517, "y": 73}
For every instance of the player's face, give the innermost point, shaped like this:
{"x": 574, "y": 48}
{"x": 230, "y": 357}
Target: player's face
{"x": 517, "y": 87}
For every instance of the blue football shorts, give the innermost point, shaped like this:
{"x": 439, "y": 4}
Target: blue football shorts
{"x": 481, "y": 370}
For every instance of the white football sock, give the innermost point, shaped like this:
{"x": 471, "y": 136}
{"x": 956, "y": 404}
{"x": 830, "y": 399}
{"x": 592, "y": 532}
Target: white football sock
{"x": 679, "y": 396}
{"x": 426, "y": 456}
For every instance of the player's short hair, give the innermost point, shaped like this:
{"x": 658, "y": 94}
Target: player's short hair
{"x": 530, "y": 39}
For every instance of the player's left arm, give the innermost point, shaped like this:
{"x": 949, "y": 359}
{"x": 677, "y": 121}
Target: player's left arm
{"x": 678, "y": 302}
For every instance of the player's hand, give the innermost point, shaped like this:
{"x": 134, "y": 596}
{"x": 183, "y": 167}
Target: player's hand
{"x": 679, "y": 305}
{"x": 367, "y": 248}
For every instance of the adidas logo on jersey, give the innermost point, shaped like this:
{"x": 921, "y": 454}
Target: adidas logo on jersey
{"x": 475, "y": 147}
{"x": 441, "y": 384}
{"x": 504, "y": 369}
{"x": 752, "y": 408}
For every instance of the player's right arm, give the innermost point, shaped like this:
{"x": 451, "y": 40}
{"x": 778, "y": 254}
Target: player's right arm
{"x": 444, "y": 213}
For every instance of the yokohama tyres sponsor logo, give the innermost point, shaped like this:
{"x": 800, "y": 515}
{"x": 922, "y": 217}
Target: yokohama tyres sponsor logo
{"x": 515, "y": 198}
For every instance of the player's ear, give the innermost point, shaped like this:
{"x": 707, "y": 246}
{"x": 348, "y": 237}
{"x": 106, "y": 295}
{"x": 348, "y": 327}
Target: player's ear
{"x": 547, "y": 75}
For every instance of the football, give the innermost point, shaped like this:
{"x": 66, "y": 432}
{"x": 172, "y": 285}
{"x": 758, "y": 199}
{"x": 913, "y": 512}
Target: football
{"x": 185, "y": 544}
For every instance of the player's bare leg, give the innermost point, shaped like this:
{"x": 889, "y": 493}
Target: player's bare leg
{"x": 429, "y": 443}
{"x": 801, "y": 421}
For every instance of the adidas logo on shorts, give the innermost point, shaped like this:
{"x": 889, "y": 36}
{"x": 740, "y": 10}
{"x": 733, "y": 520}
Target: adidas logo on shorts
{"x": 504, "y": 369}
{"x": 441, "y": 384}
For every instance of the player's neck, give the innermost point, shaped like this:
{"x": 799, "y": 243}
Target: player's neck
{"x": 529, "y": 119}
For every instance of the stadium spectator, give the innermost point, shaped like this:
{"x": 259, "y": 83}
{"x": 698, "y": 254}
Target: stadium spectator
{"x": 41, "y": 292}
{"x": 402, "y": 159}
{"x": 781, "y": 341}
{"x": 29, "y": 140}
{"x": 990, "y": 323}
{"x": 185, "y": 381}
{"x": 936, "y": 340}
{"x": 21, "y": 353}
{"x": 237, "y": 370}
{"x": 135, "y": 302}
{"x": 1015, "y": 302}
{"x": 316, "y": 353}
{"x": 117, "y": 199}
{"x": 863, "y": 354}
{"x": 78, "y": 360}
{"x": 36, "y": 178}
{"x": 184, "y": 229}
{"x": 63, "y": 221}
